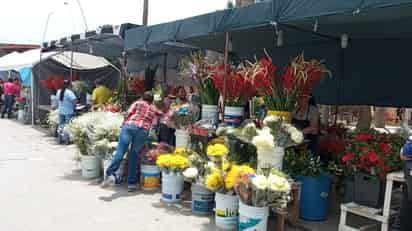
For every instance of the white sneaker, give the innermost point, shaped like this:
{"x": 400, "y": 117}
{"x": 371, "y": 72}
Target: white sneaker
{"x": 109, "y": 181}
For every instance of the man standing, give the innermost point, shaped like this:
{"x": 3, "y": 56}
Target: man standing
{"x": 10, "y": 92}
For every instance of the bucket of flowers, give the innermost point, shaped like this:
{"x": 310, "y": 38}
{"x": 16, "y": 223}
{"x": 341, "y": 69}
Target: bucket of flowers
{"x": 86, "y": 131}
{"x": 221, "y": 180}
{"x": 149, "y": 171}
{"x": 272, "y": 140}
{"x": 203, "y": 199}
{"x": 258, "y": 192}
{"x": 298, "y": 78}
{"x": 368, "y": 158}
{"x": 172, "y": 165}
{"x": 315, "y": 179}
{"x": 53, "y": 122}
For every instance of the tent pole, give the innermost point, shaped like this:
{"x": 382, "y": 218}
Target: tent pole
{"x": 226, "y": 62}
{"x": 71, "y": 65}
{"x": 164, "y": 85}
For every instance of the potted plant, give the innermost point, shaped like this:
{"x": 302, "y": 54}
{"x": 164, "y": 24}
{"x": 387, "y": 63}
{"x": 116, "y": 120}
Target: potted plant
{"x": 195, "y": 68}
{"x": 368, "y": 157}
{"x": 258, "y": 192}
{"x": 149, "y": 171}
{"x": 221, "y": 180}
{"x": 298, "y": 78}
{"x": 315, "y": 183}
{"x": 172, "y": 166}
{"x": 272, "y": 140}
{"x": 203, "y": 199}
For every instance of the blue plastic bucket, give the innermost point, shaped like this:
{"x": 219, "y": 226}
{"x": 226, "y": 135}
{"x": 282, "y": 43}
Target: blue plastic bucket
{"x": 314, "y": 199}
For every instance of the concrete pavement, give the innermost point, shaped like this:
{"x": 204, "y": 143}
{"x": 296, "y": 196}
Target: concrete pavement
{"x": 41, "y": 190}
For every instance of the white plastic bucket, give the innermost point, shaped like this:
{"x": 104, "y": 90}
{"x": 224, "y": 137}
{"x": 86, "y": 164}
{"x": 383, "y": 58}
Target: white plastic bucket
{"x": 273, "y": 156}
{"x": 91, "y": 167}
{"x": 203, "y": 200}
{"x": 20, "y": 115}
{"x": 226, "y": 211}
{"x": 234, "y": 115}
{"x": 182, "y": 138}
{"x": 172, "y": 187}
{"x": 252, "y": 218}
{"x": 209, "y": 112}
{"x": 150, "y": 177}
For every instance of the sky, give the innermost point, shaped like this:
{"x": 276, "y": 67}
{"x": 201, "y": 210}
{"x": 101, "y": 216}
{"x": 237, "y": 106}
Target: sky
{"x": 23, "y": 21}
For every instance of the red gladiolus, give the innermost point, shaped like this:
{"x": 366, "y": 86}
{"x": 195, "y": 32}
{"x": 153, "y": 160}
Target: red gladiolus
{"x": 348, "y": 157}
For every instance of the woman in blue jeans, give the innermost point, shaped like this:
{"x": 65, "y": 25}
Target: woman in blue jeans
{"x": 134, "y": 132}
{"x": 67, "y": 101}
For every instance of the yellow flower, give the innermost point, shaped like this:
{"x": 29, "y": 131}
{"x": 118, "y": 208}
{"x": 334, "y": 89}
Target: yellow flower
{"x": 234, "y": 173}
{"x": 180, "y": 151}
{"x": 172, "y": 161}
{"x": 225, "y": 165}
{"x": 213, "y": 180}
{"x": 217, "y": 150}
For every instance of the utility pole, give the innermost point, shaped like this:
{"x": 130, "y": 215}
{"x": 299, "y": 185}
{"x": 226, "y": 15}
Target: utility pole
{"x": 145, "y": 12}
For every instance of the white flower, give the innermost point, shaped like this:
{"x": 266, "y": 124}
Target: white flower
{"x": 210, "y": 165}
{"x": 278, "y": 183}
{"x": 297, "y": 137}
{"x": 112, "y": 145}
{"x": 191, "y": 173}
{"x": 260, "y": 182}
{"x": 264, "y": 139}
{"x": 157, "y": 97}
{"x": 221, "y": 131}
{"x": 271, "y": 119}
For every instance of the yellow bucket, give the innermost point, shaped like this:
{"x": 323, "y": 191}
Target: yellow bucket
{"x": 285, "y": 115}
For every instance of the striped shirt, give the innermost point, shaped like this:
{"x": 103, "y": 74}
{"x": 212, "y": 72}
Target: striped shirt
{"x": 141, "y": 114}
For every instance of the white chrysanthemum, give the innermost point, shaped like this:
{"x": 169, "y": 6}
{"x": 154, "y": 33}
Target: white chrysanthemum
{"x": 157, "y": 97}
{"x": 264, "y": 138}
{"x": 271, "y": 119}
{"x": 191, "y": 173}
{"x": 297, "y": 137}
{"x": 278, "y": 183}
{"x": 260, "y": 182}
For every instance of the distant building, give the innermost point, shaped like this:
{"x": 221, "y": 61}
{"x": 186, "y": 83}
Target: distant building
{"x": 6, "y": 48}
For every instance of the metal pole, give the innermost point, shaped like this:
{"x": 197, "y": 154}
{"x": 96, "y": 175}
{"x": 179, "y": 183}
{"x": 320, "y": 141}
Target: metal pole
{"x": 226, "y": 62}
{"x": 32, "y": 76}
{"x": 145, "y": 12}
{"x": 84, "y": 17}
{"x": 71, "y": 65}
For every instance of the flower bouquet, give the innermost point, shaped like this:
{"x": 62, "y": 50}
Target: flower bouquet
{"x": 258, "y": 192}
{"x": 272, "y": 140}
{"x": 298, "y": 78}
{"x": 80, "y": 87}
{"x": 172, "y": 166}
{"x": 221, "y": 179}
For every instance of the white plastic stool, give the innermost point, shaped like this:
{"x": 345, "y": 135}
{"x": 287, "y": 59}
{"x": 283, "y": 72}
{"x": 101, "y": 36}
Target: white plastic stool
{"x": 379, "y": 215}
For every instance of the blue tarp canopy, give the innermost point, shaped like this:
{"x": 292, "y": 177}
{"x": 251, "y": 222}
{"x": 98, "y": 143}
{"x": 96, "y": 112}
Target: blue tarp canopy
{"x": 372, "y": 70}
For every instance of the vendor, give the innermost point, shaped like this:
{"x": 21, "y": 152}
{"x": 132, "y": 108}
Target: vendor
{"x": 181, "y": 96}
{"x": 10, "y": 90}
{"x": 166, "y": 126}
{"x": 101, "y": 94}
{"x": 306, "y": 118}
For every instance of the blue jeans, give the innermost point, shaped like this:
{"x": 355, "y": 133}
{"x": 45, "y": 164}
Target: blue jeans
{"x": 129, "y": 134}
{"x": 8, "y": 105}
{"x": 64, "y": 119}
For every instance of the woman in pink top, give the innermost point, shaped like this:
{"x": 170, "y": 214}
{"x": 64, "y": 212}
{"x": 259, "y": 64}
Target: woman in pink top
{"x": 9, "y": 90}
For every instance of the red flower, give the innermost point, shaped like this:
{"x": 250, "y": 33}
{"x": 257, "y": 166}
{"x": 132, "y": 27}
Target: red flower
{"x": 385, "y": 148}
{"x": 373, "y": 157}
{"x": 348, "y": 157}
{"x": 364, "y": 137}
{"x": 382, "y": 175}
